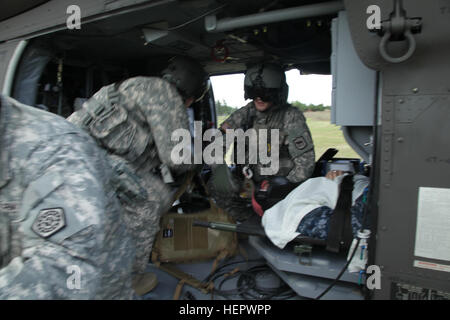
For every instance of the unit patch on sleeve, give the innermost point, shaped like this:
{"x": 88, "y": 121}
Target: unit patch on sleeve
{"x": 300, "y": 143}
{"x": 49, "y": 221}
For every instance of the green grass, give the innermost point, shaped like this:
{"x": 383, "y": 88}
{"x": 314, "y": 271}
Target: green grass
{"x": 325, "y": 135}
{"x": 221, "y": 119}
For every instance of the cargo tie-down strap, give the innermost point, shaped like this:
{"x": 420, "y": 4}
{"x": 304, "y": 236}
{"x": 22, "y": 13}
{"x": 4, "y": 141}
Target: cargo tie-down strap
{"x": 204, "y": 287}
{"x": 340, "y": 234}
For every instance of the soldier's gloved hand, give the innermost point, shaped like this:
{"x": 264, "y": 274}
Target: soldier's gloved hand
{"x": 224, "y": 179}
{"x": 270, "y": 191}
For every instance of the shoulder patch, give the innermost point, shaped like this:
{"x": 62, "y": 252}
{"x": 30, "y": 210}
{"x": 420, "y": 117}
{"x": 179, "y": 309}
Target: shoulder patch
{"x": 49, "y": 221}
{"x": 300, "y": 143}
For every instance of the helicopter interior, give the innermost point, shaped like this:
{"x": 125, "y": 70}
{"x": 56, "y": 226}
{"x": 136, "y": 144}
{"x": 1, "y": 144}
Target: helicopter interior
{"x": 60, "y": 70}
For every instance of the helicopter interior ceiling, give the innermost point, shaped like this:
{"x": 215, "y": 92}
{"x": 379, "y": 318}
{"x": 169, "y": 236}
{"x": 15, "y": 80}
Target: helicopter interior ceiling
{"x": 179, "y": 28}
{"x": 9, "y": 9}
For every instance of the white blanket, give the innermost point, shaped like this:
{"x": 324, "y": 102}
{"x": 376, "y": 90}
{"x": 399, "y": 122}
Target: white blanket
{"x": 281, "y": 221}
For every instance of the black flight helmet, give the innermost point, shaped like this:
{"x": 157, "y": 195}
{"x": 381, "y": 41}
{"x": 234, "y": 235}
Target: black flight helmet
{"x": 266, "y": 81}
{"x": 188, "y": 76}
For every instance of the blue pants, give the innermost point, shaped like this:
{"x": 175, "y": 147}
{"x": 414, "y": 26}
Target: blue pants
{"x": 315, "y": 223}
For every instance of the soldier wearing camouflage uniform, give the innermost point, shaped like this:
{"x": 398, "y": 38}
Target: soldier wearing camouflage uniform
{"x": 61, "y": 232}
{"x": 134, "y": 121}
{"x": 266, "y": 85}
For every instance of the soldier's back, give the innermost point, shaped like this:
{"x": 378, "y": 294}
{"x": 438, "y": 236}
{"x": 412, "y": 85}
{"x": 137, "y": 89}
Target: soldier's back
{"x": 55, "y": 173}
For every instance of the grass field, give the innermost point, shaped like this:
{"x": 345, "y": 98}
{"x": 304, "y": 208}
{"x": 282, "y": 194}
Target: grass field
{"x": 325, "y": 135}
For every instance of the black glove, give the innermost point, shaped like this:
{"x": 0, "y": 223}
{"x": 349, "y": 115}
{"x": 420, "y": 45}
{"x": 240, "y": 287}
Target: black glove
{"x": 225, "y": 179}
{"x": 272, "y": 190}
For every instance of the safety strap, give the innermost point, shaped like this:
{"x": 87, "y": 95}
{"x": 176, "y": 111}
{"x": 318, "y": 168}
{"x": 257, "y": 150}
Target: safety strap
{"x": 95, "y": 108}
{"x": 324, "y": 158}
{"x": 113, "y": 95}
{"x": 340, "y": 232}
{"x": 185, "y": 278}
{"x": 178, "y": 289}
{"x": 190, "y": 280}
{"x": 221, "y": 256}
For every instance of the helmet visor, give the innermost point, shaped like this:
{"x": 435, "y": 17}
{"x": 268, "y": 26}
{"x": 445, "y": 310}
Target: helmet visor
{"x": 265, "y": 94}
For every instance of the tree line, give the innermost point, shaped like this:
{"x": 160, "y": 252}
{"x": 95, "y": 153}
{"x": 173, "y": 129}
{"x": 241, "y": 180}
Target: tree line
{"x": 310, "y": 107}
{"x": 224, "y": 110}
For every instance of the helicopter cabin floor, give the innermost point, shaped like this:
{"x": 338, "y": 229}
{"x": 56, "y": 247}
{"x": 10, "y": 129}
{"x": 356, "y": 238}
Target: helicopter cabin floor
{"x": 247, "y": 259}
{"x": 280, "y": 273}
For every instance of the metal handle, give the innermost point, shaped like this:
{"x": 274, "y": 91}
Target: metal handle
{"x": 411, "y": 49}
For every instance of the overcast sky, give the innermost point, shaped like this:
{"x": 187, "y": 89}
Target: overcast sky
{"x": 308, "y": 89}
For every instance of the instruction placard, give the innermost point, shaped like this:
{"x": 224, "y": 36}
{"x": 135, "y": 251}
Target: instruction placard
{"x": 433, "y": 224}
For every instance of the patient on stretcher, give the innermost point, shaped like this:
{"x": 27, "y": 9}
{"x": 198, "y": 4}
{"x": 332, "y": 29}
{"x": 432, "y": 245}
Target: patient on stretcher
{"x": 307, "y": 209}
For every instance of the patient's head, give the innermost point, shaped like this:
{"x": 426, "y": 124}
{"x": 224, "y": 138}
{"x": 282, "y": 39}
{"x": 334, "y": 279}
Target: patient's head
{"x": 333, "y": 174}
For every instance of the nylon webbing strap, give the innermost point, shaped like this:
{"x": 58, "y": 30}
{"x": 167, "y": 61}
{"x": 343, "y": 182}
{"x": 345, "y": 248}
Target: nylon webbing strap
{"x": 187, "y": 279}
{"x": 339, "y": 226}
{"x": 113, "y": 95}
{"x": 95, "y": 108}
{"x": 178, "y": 290}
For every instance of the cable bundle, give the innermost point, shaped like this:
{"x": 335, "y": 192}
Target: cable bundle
{"x": 248, "y": 285}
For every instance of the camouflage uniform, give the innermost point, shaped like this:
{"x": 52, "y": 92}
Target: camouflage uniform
{"x": 134, "y": 122}
{"x": 296, "y": 153}
{"x": 58, "y": 214}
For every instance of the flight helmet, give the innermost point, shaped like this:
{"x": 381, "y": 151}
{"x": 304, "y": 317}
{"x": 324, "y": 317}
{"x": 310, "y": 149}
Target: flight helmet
{"x": 266, "y": 81}
{"x": 187, "y": 75}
